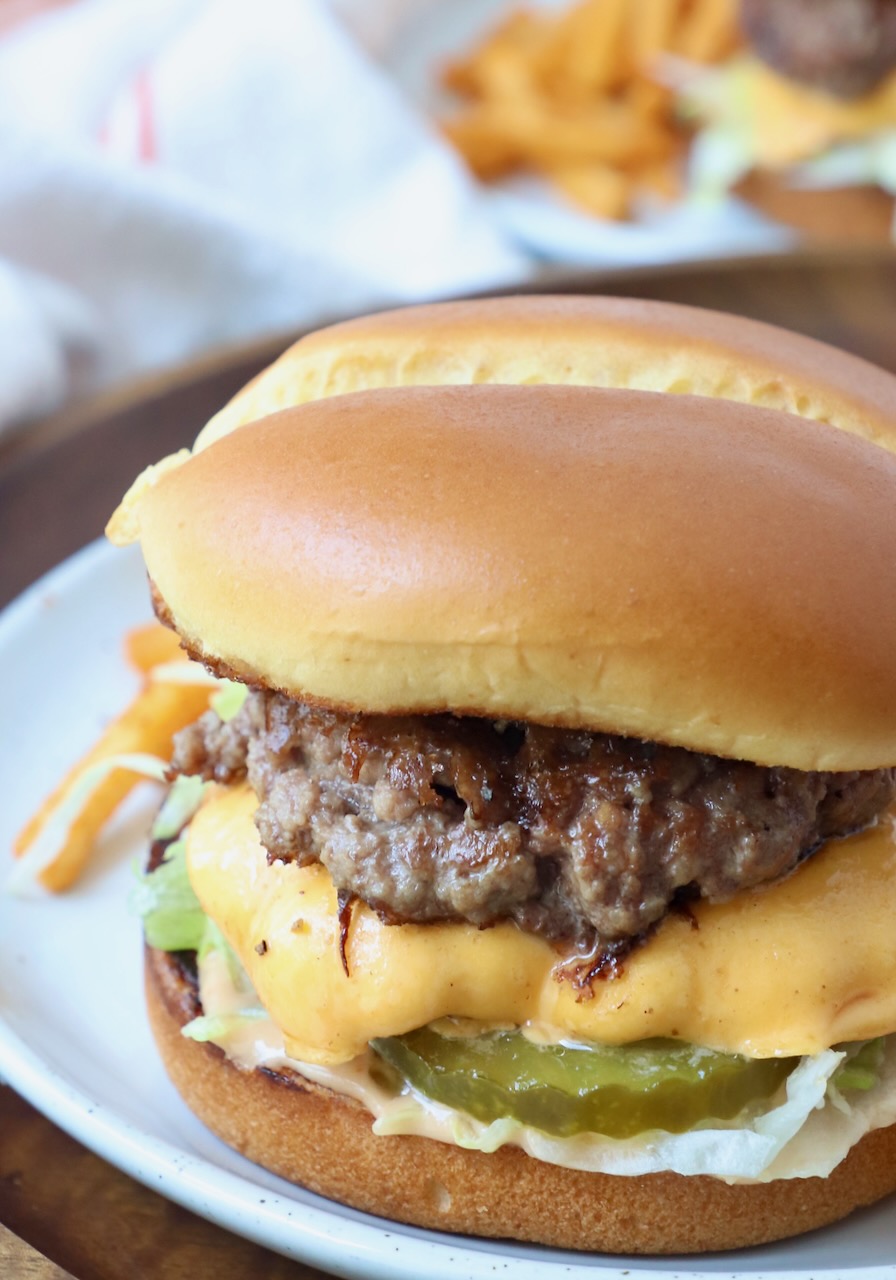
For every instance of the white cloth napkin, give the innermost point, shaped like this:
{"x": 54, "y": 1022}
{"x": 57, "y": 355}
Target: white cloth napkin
{"x": 176, "y": 175}
{"x": 180, "y": 174}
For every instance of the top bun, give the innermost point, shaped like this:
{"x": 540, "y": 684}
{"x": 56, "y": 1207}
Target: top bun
{"x": 583, "y": 341}
{"x": 688, "y": 570}
{"x": 587, "y": 341}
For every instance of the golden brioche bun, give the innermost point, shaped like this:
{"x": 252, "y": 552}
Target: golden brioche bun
{"x": 588, "y": 341}
{"x": 687, "y": 570}
{"x": 324, "y": 1141}
{"x": 834, "y": 215}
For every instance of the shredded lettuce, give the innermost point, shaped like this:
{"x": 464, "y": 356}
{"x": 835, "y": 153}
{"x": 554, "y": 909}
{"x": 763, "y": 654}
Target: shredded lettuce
{"x": 228, "y": 998}
{"x": 172, "y": 918}
{"x": 861, "y": 1069}
{"x": 229, "y": 699}
{"x": 214, "y": 948}
{"x": 183, "y": 799}
{"x": 866, "y": 162}
{"x": 220, "y": 1029}
{"x": 885, "y": 161}
{"x": 720, "y": 157}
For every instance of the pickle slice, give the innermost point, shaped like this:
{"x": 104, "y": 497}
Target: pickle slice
{"x": 567, "y": 1089}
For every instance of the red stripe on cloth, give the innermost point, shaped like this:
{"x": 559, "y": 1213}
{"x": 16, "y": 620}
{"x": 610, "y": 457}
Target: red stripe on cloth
{"x": 146, "y": 133}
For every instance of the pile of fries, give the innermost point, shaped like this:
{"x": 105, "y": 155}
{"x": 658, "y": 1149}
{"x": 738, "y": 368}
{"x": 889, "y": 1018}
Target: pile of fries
{"x": 574, "y": 97}
{"x": 174, "y": 693}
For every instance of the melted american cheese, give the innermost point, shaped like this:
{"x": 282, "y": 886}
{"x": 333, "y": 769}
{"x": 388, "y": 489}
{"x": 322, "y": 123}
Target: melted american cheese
{"x": 789, "y": 122}
{"x": 787, "y": 970}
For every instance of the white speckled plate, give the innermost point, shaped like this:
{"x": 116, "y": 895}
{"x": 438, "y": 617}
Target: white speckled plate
{"x": 73, "y": 1039}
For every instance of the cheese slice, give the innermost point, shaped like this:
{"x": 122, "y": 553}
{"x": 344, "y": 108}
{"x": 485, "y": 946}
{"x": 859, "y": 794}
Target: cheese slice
{"x": 787, "y": 122}
{"x": 788, "y": 970}
{"x": 793, "y": 123}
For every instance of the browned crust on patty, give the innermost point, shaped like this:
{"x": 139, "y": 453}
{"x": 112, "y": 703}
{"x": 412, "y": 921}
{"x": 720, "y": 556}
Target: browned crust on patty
{"x": 324, "y": 1142}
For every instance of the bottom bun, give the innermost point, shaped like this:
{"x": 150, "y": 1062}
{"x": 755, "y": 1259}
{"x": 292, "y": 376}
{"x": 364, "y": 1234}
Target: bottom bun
{"x": 323, "y": 1141}
{"x": 844, "y": 215}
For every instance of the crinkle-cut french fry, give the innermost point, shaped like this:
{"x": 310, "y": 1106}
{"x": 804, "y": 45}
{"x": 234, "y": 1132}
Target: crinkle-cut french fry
{"x": 652, "y": 30}
{"x": 479, "y": 134}
{"x": 547, "y": 136}
{"x": 651, "y": 101}
{"x": 591, "y": 49}
{"x": 664, "y": 179}
{"x": 147, "y": 726}
{"x": 152, "y": 645}
{"x": 608, "y": 130}
{"x": 572, "y": 94}
{"x": 504, "y": 74}
{"x": 522, "y": 38}
{"x": 708, "y": 32}
{"x": 596, "y": 188}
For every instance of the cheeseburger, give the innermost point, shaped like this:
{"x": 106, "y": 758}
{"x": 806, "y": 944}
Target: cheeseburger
{"x": 802, "y": 122}
{"x": 533, "y": 875}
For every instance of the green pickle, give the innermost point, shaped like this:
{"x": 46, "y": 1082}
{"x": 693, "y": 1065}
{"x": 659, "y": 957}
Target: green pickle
{"x": 568, "y": 1089}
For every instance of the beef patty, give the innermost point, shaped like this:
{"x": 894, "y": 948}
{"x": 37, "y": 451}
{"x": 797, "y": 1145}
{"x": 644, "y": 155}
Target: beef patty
{"x": 843, "y": 47}
{"x": 573, "y": 835}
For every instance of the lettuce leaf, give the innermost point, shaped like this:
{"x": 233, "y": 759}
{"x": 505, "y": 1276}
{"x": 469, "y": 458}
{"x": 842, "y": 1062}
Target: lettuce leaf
{"x": 221, "y": 1028}
{"x": 172, "y": 918}
{"x": 229, "y": 699}
{"x": 183, "y": 799}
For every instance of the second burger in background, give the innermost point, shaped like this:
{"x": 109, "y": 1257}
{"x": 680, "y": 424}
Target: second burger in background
{"x": 627, "y": 106}
{"x": 803, "y": 125}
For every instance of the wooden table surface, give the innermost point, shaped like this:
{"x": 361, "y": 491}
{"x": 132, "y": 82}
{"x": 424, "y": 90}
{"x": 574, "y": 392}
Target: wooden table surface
{"x": 63, "y": 1210}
